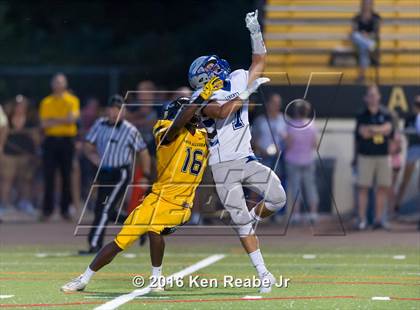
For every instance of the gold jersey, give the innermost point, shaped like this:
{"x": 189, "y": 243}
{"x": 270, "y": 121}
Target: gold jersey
{"x": 180, "y": 164}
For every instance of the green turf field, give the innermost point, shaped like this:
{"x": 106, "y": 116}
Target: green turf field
{"x": 340, "y": 278}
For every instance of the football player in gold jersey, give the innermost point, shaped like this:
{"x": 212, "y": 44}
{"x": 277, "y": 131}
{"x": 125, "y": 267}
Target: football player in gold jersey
{"x": 181, "y": 160}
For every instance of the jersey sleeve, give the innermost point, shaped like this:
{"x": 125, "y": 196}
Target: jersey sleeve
{"x": 245, "y": 78}
{"x": 237, "y": 83}
{"x": 159, "y": 130}
{"x": 92, "y": 134}
{"x": 241, "y": 79}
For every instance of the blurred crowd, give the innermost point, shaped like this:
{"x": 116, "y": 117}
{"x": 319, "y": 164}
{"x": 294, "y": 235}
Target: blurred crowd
{"x": 43, "y": 165}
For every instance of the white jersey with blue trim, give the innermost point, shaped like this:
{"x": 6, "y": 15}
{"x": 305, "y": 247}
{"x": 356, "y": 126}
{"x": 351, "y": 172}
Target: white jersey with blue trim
{"x": 229, "y": 138}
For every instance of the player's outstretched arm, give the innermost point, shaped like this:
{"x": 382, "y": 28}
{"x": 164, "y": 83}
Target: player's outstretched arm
{"x": 216, "y": 111}
{"x": 190, "y": 110}
{"x": 258, "y": 47}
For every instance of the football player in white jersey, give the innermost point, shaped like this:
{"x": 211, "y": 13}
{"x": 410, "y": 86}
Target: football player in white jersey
{"x": 232, "y": 160}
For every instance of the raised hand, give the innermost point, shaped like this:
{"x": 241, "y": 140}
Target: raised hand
{"x": 251, "y": 21}
{"x": 211, "y": 86}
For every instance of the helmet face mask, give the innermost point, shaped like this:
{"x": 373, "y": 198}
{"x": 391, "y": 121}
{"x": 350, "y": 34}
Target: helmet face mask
{"x": 206, "y": 67}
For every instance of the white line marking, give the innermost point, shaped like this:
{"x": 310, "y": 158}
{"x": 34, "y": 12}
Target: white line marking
{"x": 139, "y": 297}
{"x": 400, "y": 257}
{"x": 6, "y": 296}
{"x": 251, "y": 297}
{"x": 58, "y": 254}
{"x": 129, "y": 255}
{"x": 120, "y": 300}
{"x": 381, "y": 298}
{"x": 309, "y": 256}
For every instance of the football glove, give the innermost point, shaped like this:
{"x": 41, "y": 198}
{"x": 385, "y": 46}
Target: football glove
{"x": 211, "y": 86}
{"x": 253, "y": 87}
{"x": 251, "y": 20}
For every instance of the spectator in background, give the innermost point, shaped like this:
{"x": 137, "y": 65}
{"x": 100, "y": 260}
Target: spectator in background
{"x": 301, "y": 143}
{"x": 395, "y": 150}
{"x": 88, "y": 116}
{"x": 183, "y": 91}
{"x": 58, "y": 113}
{"x": 365, "y": 35}
{"x": 373, "y": 133}
{"x": 144, "y": 114}
{"x": 269, "y": 132}
{"x": 3, "y": 136}
{"x": 412, "y": 126}
{"x": 3, "y": 130}
{"x": 18, "y": 159}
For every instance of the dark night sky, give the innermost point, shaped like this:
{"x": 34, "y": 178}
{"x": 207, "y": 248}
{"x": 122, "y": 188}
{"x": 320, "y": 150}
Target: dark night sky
{"x": 155, "y": 35}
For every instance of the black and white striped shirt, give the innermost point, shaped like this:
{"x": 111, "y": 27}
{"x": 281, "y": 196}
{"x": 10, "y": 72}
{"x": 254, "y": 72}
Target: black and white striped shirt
{"x": 116, "y": 143}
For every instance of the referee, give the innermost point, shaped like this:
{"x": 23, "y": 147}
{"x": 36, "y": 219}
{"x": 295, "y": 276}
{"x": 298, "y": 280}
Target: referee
{"x": 112, "y": 145}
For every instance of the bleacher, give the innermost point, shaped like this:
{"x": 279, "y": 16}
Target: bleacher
{"x": 302, "y": 36}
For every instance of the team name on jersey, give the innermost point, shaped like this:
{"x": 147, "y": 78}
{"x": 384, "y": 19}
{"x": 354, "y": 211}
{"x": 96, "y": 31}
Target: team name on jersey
{"x": 195, "y": 144}
{"x": 231, "y": 96}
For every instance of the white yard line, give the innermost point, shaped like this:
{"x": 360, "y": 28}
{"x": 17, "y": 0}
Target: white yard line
{"x": 56, "y": 254}
{"x": 251, "y": 297}
{"x": 309, "y": 256}
{"x": 129, "y": 255}
{"x": 384, "y": 298}
{"x": 139, "y": 297}
{"x": 6, "y": 296}
{"x": 120, "y": 300}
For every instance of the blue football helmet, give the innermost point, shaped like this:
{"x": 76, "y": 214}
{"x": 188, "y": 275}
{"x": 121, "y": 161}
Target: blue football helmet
{"x": 206, "y": 67}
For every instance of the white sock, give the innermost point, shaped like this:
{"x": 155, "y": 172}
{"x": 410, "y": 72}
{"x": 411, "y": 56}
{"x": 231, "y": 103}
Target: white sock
{"x": 156, "y": 271}
{"x": 258, "y": 262}
{"x": 256, "y": 217}
{"x": 87, "y": 275}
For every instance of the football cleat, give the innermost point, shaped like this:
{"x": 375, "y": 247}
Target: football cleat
{"x": 74, "y": 285}
{"x": 267, "y": 282}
